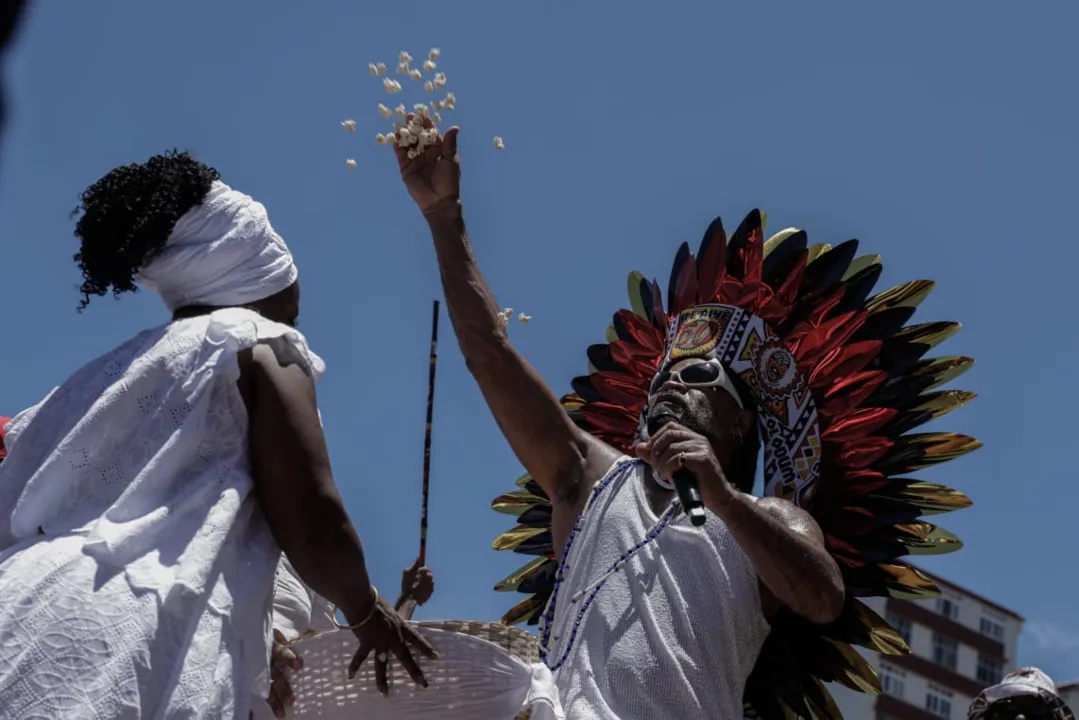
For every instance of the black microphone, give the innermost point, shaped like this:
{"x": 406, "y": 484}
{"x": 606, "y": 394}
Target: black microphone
{"x": 685, "y": 483}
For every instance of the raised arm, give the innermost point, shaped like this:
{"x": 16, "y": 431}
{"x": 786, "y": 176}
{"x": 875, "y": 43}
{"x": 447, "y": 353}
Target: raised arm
{"x": 558, "y": 455}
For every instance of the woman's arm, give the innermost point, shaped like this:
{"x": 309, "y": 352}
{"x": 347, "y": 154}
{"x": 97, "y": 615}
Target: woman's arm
{"x": 294, "y": 484}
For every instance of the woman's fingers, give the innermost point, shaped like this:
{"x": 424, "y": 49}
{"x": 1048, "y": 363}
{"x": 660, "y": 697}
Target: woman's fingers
{"x": 357, "y": 659}
{"x": 382, "y": 674}
{"x": 417, "y": 641}
{"x": 410, "y": 664}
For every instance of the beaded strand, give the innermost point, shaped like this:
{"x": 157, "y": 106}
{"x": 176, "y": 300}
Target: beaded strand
{"x": 589, "y": 593}
{"x": 547, "y": 618}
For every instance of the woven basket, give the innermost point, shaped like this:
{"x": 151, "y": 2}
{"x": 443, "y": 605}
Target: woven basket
{"x": 323, "y": 690}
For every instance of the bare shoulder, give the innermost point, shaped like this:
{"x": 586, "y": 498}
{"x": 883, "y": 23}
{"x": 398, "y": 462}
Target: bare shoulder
{"x": 790, "y": 515}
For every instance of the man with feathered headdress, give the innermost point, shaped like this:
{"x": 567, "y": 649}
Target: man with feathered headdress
{"x": 645, "y": 613}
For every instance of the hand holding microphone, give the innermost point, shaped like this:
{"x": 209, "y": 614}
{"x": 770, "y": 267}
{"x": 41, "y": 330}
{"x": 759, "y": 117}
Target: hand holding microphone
{"x": 687, "y": 459}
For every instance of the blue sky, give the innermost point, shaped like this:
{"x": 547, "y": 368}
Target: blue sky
{"x": 943, "y": 137}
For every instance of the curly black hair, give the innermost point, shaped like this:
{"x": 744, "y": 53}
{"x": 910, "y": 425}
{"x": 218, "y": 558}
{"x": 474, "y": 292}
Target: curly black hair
{"x": 128, "y": 215}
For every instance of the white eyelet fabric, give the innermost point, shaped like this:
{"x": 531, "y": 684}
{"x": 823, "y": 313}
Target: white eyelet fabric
{"x": 136, "y": 569}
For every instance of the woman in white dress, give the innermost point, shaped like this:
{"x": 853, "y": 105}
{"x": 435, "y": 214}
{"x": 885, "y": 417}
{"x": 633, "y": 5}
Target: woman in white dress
{"x": 145, "y": 502}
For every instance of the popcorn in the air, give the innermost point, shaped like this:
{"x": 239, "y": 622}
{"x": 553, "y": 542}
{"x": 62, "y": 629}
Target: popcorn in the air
{"x": 436, "y": 104}
{"x": 437, "y": 118}
{"x": 402, "y": 68}
{"x": 499, "y": 145}
{"x": 372, "y": 68}
{"x": 384, "y": 111}
{"x": 440, "y": 80}
{"x": 421, "y": 109}
{"x": 349, "y": 125}
{"x": 351, "y": 164}
{"x": 524, "y": 318}
{"x": 415, "y": 74}
{"x": 404, "y": 57}
{"x": 434, "y": 53}
{"x": 450, "y": 101}
{"x": 429, "y": 65}
{"x": 381, "y": 68}
{"x": 392, "y": 86}
{"x": 400, "y": 111}
{"x": 429, "y": 86}
{"x": 380, "y": 139}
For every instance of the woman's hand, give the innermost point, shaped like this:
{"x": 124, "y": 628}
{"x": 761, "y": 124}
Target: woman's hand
{"x": 281, "y": 657}
{"x": 382, "y": 633}
{"x": 433, "y": 177}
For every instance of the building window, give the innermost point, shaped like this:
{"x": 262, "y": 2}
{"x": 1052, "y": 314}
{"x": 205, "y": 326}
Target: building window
{"x": 948, "y": 606}
{"x": 945, "y": 650}
{"x": 901, "y": 625}
{"x": 938, "y": 702}
{"x": 990, "y": 627}
{"x": 892, "y": 680}
{"x": 990, "y": 669}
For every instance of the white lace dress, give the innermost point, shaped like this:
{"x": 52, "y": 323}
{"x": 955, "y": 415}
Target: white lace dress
{"x": 136, "y": 570}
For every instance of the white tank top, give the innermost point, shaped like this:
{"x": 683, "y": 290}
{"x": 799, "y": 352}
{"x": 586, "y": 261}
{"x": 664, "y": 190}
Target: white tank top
{"x": 673, "y": 634}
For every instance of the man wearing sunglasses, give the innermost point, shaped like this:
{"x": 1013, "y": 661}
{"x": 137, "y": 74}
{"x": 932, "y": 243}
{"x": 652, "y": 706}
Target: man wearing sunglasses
{"x": 1026, "y": 694}
{"x": 678, "y": 636}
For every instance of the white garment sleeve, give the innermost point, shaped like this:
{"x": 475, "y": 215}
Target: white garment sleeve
{"x": 293, "y": 602}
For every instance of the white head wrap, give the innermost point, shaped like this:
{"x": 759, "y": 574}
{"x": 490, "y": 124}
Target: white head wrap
{"x": 221, "y": 253}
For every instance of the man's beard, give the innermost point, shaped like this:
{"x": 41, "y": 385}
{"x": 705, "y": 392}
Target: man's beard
{"x": 672, "y": 406}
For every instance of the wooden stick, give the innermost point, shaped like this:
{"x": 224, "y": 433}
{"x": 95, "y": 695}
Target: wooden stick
{"x": 427, "y": 433}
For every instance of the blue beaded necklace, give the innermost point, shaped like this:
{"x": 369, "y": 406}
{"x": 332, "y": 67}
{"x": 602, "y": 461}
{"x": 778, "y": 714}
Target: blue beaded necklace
{"x": 589, "y": 593}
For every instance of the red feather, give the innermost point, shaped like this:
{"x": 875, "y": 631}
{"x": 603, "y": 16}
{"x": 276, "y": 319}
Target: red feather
{"x": 661, "y": 316}
{"x": 643, "y": 332}
{"x": 849, "y": 392}
{"x": 857, "y": 424}
{"x": 620, "y": 387}
{"x": 827, "y": 336}
{"x": 711, "y": 266}
{"x": 753, "y": 264}
{"x": 685, "y": 295}
{"x": 843, "y": 361}
{"x": 859, "y": 455}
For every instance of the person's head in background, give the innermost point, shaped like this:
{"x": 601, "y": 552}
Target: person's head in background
{"x": 1025, "y": 694}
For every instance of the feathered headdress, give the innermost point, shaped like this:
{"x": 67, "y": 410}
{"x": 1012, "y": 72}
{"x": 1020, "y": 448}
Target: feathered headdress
{"x": 841, "y": 381}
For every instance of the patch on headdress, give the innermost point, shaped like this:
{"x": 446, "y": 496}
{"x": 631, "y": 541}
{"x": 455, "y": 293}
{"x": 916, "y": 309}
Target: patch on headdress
{"x": 699, "y": 333}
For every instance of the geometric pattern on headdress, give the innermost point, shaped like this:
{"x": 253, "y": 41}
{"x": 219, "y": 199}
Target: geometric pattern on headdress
{"x": 819, "y": 350}
{"x": 786, "y": 412}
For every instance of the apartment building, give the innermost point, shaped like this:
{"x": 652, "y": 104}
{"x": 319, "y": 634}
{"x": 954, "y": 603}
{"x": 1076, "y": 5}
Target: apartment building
{"x": 960, "y": 643}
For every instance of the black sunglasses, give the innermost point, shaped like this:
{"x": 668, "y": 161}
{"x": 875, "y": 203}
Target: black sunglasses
{"x": 1031, "y": 708}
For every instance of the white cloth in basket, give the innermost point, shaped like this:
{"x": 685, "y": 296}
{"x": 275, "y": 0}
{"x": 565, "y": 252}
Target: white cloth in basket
{"x": 474, "y": 678}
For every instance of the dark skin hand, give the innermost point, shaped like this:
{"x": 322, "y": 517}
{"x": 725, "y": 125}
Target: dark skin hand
{"x": 564, "y": 459}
